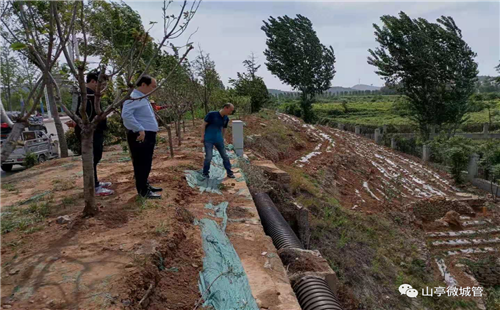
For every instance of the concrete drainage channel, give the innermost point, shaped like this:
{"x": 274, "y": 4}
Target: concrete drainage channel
{"x": 313, "y": 285}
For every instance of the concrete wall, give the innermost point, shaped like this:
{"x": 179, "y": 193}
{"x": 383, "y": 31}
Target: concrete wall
{"x": 471, "y": 135}
{"x": 486, "y": 185}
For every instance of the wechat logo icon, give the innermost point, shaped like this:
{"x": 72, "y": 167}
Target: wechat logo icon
{"x": 408, "y": 290}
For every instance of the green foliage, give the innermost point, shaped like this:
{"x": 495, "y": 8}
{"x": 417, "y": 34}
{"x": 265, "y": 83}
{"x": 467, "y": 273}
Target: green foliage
{"x": 454, "y": 152}
{"x": 291, "y": 108}
{"x": 248, "y": 84}
{"x": 495, "y": 173}
{"x": 493, "y": 297}
{"x": 344, "y": 106}
{"x": 23, "y": 219}
{"x": 116, "y": 30}
{"x": 30, "y": 160}
{"x": 160, "y": 139}
{"x": 8, "y": 187}
{"x": 490, "y": 158}
{"x": 411, "y": 146}
{"x": 387, "y": 110}
{"x": 116, "y": 132}
{"x": 124, "y": 147}
{"x": 458, "y": 158}
{"x": 205, "y": 76}
{"x": 431, "y": 64}
{"x": 73, "y": 143}
{"x": 18, "y": 46}
{"x": 295, "y": 55}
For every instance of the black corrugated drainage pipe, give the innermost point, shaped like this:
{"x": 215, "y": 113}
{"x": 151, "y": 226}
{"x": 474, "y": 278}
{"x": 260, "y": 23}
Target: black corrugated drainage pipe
{"x": 314, "y": 294}
{"x": 274, "y": 224}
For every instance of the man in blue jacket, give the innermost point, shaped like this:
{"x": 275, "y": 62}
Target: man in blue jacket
{"x": 139, "y": 118}
{"x": 212, "y": 134}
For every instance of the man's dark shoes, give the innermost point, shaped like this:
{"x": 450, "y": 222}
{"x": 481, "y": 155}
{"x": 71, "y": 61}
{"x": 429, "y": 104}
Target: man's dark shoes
{"x": 231, "y": 176}
{"x": 151, "y": 195}
{"x": 155, "y": 189}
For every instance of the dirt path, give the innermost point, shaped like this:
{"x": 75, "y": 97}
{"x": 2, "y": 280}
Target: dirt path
{"x": 108, "y": 261}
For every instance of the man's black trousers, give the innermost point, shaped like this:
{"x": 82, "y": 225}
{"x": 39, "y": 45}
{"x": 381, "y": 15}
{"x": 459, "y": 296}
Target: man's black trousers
{"x": 98, "y": 147}
{"x": 142, "y": 158}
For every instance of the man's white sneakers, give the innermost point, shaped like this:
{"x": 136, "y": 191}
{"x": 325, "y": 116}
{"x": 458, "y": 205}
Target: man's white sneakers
{"x": 103, "y": 191}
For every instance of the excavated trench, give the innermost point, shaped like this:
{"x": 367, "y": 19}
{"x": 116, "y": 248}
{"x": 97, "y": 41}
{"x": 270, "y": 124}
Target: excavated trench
{"x": 312, "y": 290}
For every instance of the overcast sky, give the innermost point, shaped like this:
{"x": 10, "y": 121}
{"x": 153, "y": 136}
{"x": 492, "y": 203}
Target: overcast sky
{"x": 230, "y": 30}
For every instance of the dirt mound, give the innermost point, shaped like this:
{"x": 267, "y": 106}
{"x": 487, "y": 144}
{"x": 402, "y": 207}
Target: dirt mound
{"x": 359, "y": 172}
{"x": 168, "y": 277}
{"x": 435, "y": 208}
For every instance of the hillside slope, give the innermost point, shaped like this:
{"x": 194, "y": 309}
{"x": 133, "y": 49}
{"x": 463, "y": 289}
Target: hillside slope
{"x": 362, "y": 199}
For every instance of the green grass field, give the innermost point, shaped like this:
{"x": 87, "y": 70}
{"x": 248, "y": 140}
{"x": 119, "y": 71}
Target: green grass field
{"x": 375, "y": 111}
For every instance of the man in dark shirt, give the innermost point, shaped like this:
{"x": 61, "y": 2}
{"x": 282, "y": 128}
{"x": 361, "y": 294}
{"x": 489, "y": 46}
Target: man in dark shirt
{"x": 213, "y": 130}
{"x": 101, "y": 188}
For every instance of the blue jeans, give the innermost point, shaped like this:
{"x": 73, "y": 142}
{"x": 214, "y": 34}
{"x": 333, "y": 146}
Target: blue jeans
{"x": 209, "y": 148}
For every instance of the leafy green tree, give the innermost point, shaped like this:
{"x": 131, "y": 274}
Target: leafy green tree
{"x": 177, "y": 94}
{"x": 30, "y": 30}
{"x": 207, "y": 78}
{"x": 498, "y": 77}
{"x": 248, "y": 84}
{"x": 9, "y": 69}
{"x": 295, "y": 55}
{"x": 61, "y": 19}
{"x": 431, "y": 64}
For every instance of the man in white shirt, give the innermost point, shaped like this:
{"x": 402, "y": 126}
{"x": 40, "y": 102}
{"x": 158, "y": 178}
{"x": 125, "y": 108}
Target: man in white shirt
{"x": 139, "y": 118}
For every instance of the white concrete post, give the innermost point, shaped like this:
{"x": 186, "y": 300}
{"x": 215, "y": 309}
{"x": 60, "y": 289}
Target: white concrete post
{"x": 472, "y": 167}
{"x": 393, "y": 143}
{"x": 384, "y": 129}
{"x": 378, "y": 136}
{"x": 340, "y": 126}
{"x": 357, "y": 130}
{"x": 433, "y": 131}
{"x": 426, "y": 153}
{"x": 486, "y": 127}
{"x": 238, "y": 137}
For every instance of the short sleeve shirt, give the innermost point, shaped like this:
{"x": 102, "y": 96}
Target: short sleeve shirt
{"x": 213, "y": 131}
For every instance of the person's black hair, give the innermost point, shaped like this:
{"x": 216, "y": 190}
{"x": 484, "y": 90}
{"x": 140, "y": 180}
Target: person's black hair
{"x": 94, "y": 75}
{"x": 144, "y": 79}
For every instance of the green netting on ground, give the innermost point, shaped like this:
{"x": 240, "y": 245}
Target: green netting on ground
{"x": 217, "y": 173}
{"x": 223, "y": 281}
{"x": 220, "y": 211}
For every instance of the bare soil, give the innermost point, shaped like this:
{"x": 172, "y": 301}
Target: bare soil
{"x": 109, "y": 261}
{"x": 387, "y": 200}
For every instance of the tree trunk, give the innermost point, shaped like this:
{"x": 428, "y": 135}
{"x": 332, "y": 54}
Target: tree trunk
{"x": 9, "y": 99}
{"x": 184, "y": 126}
{"x": 9, "y": 145}
{"x": 205, "y": 103}
{"x": 192, "y": 113}
{"x": 489, "y": 117}
{"x": 57, "y": 121}
{"x": 88, "y": 172}
{"x": 170, "y": 142}
{"x": 179, "y": 133}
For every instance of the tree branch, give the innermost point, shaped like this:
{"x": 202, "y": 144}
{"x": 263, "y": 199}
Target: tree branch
{"x": 33, "y": 90}
{"x": 127, "y": 97}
